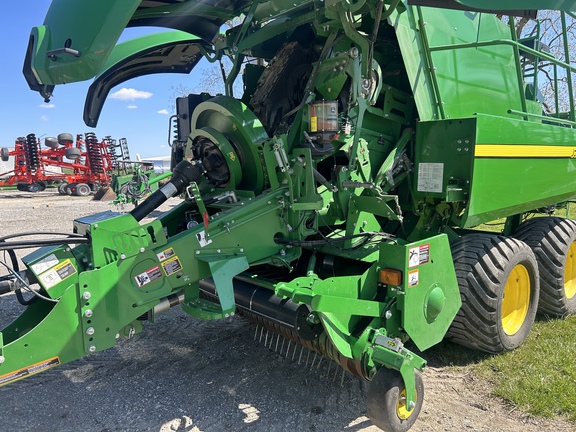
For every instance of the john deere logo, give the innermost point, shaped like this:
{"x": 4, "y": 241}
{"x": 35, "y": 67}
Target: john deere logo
{"x": 232, "y": 156}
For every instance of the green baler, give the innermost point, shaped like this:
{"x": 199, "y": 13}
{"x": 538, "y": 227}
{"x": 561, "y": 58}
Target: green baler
{"x": 337, "y": 201}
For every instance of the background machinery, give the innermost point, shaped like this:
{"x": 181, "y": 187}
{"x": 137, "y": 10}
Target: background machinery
{"x": 337, "y": 201}
{"x": 78, "y": 166}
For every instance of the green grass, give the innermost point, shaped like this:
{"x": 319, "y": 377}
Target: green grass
{"x": 540, "y": 376}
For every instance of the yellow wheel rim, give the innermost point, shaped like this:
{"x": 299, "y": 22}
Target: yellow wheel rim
{"x": 516, "y": 300}
{"x": 570, "y": 272}
{"x": 401, "y": 409}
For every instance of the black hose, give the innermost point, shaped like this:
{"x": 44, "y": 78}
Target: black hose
{"x": 182, "y": 175}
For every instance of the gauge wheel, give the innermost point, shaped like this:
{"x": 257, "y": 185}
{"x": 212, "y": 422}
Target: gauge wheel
{"x": 5, "y": 154}
{"x": 553, "y": 241}
{"x": 82, "y": 189}
{"x": 62, "y": 188}
{"x": 65, "y": 138}
{"x": 386, "y": 400}
{"x": 35, "y": 187}
{"x": 499, "y": 287}
{"x": 72, "y": 153}
{"x": 51, "y": 142}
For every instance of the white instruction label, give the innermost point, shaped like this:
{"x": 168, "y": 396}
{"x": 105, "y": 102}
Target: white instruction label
{"x": 430, "y": 176}
{"x": 44, "y": 264}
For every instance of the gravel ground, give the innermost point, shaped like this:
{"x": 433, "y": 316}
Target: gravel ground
{"x": 191, "y": 375}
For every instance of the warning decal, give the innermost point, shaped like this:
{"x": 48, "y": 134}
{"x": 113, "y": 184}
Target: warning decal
{"x": 172, "y": 266}
{"x": 148, "y": 276}
{"x": 419, "y": 255}
{"x": 29, "y": 370}
{"x": 413, "y": 276}
{"x": 165, "y": 254}
{"x": 57, "y": 274}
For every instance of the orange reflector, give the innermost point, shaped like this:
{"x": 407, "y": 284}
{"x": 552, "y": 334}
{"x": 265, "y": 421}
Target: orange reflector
{"x": 391, "y": 277}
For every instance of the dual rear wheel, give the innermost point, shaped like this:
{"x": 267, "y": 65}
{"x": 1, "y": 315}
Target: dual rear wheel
{"x": 505, "y": 281}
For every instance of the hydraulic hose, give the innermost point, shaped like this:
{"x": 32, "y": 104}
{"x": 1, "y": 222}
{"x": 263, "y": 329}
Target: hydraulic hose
{"x": 182, "y": 175}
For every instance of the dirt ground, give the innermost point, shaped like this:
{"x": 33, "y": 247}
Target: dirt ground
{"x": 183, "y": 374}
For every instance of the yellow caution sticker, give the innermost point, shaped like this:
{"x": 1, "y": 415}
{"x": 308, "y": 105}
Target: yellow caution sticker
{"x": 172, "y": 266}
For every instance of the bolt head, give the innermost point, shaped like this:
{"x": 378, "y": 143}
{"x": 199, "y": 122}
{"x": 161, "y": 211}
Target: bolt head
{"x": 142, "y": 250}
{"x": 86, "y": 295}
{"x": 90, "y": 331}
{"x": 92, "y": 348}
{"x": 88, "y": 313}
{"x": 2, "y": 359}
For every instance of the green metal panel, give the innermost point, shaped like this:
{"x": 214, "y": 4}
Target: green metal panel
{"x": 472, "y": 80}
{"x": 411, "y": 47}
{"x": 91, "y": 38}
{"x": 443, "y": 160}
{"x": 428, "y": 297}
{"x": 498, "y": 166}
{"x": 566, "y": 5}
{"x": 519, "y": 166}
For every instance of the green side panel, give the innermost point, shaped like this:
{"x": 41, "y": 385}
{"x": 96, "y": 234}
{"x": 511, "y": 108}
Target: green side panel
{"x": 411, "y": 47}
{"x": 429, "y": 297}
{"x": 565, "y": 5}
{"x": 92, "y": 38}
{"x": 497, "y": 166}
{"x": 472, "y": 80}
{"x": 504, "y": 185}
{"x": 456, "y": 83}
{"x": 444, "y": 158}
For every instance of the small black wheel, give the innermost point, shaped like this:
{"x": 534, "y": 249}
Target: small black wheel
{"x": 72, "y": 153}
{"x": 35, "y": 187}
{"x": 82, "y": 189}
{"x": 499, "y": 287}
{"x": 65, "y": 138}
{"x": 51, "y": 142}
{"x": 386, "y": 400}
{"x": 42, "y": 185}
{"x": 22, "y": 187}
{"x": 553, "y": 241}
{"x": 5, "y": 154}
{"x": 62, "y": 188}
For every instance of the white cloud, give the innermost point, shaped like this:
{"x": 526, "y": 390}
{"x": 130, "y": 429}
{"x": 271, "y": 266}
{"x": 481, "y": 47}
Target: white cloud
{"x": 164, "y": 111}
{"x": 131, "y": 107}
{"x": 48, "y": 106}
{"x": 130, "y": 94}
{"x": 44, "y": 117}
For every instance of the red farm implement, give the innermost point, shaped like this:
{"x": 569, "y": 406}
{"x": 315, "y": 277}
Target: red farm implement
{"x": 77, "y": 166}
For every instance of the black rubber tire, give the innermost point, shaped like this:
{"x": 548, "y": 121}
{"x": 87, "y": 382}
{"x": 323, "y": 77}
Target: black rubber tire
{"x": 65, "y": 138}
{"x": 384, "y": 396}
{"x": 82, "y": 189}
{"x": 51, "y": 142}
{"x": 72, "y": 153}
{"x": 5, "y": 154}
{"x": 62, "y": 188}
{"x": 483, "y": 264}
{"x": 552, "y": 240}
{"x": 35, "y": 187}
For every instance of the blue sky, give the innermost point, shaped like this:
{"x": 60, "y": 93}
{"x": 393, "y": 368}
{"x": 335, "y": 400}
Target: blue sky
{"x": 139, "y": 113}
